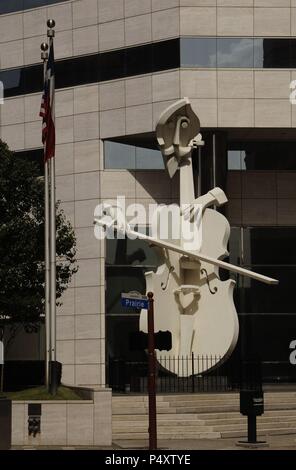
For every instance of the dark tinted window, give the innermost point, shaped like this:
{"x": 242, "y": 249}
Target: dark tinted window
{"x": 84, "y": 70}
{"x": 262, "y": 298}
{"x": 13, "y": 82}
{"x": 139, "y": 60}
{"x": 122, "y": 279}
{"x": 275, "y": 53}
{"x": 64, "y": 73}
{"x": 111, "y": 65}
{"x": 293, "y": 53}
{"x": 262, "y": 156}
{"x": 33, "y": 78}
{"x": 166, "y": 55}
{"x": 265, "y": 242}
{"x": 9, "y": 6}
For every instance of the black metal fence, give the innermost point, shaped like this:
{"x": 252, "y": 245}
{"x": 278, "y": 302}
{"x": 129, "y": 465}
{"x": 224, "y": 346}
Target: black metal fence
{"x": 176, "y": 374}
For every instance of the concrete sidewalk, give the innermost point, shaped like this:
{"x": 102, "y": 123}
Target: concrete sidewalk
{"x": 282, "y": 442}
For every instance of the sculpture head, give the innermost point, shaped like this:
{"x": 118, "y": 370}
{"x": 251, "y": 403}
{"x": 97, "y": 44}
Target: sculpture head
{"x": 177, "y": 126}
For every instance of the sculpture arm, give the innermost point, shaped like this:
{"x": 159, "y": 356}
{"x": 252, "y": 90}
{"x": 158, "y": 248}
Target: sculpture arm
{"x": 195, "y": 256}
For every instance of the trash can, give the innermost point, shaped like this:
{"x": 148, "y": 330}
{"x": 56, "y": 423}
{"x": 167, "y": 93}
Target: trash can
{"x": 5, "y": 423}
{"x": 251, "y": 402}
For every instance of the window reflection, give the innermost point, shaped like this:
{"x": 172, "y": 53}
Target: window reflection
{"x": 130, "y": 252}
{"x": 126, "y": 263}
{"x": 235, "y": 52}
{"x": 130, "y": 157}
{"x": 258, "y": 53}
{"x": 12, "y": 82}
{"x": 163, "y": 55}
{"x": 199, "y": 52}
{"x": 262, "y": 156}
{"x": 122, "y": 279}
{"x": 119, "y": 155}
{"x": 148, "y": 159}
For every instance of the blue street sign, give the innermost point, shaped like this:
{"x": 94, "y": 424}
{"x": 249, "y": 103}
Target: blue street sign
{"x": 134, "y": 300}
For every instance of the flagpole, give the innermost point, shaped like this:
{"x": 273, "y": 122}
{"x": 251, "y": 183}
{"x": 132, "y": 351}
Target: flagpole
{"x": 44, "y": 57}
{"x": 52, "y": 249}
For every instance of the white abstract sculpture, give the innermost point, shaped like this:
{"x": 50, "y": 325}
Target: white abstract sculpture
{"x": 190, "y": 300}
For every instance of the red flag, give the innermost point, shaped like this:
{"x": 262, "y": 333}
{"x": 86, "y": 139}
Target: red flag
{"x": 47, "y": 108}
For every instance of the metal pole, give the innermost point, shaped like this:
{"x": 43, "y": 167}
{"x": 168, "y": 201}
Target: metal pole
{"x": 199, "y": 172}
{"x": 151, "y": 377}
{"x": 214, "y": 160}
{"x": 192, "y": 359}
{"x": 252, "y": 428}
{"x": 53, "y": 378}
{"x": 214, "y": 165}
{"x": 44, "y": 57}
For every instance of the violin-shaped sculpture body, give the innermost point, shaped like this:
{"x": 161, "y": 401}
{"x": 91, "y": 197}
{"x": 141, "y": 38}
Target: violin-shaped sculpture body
{"x": 190, "y": 300}
{"x": 193, "y": 303}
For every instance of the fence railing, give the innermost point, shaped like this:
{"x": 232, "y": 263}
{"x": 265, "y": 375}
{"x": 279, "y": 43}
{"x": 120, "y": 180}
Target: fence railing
{"x": 176, "y": 374}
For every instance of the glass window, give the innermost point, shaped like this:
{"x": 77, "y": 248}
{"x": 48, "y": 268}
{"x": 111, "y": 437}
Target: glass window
{"x": 39, "y": 3}
{"x": 33, "y": 78}
{"x": 166, "y": 55}
{"x": 118, "y": 345}
{"x": 130, "y": 157}
{"x": 272, "y": 53}
{"x": 274, "y": 245}
{"x": 139, "y": 60}
{"x": 235, "y": 52}
{"x": 148, "y": 159}
{"x": 13, "y": 82}
{"x": 262, "y": 298}
{"x": 258, "y": 53}
{"x": 122, "y": 279}
{"x": 262, "y": 156}
{"x": 234, "y": 160}
{"x": 64, "y": 73}
{"x": 130, "y": 252}
{"x": 199, "y": 52}
{"x": 10, "y": 6}
{"x": 111, "y": 65}
{"x": 292, "y": 53}
{"x": 119, "y": 155}
{"x": 84, "y": 70}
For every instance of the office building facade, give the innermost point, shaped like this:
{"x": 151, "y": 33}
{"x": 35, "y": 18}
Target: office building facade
{"x": 119, "y": 63}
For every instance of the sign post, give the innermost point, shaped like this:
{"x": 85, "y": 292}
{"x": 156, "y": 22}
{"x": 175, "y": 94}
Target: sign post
{"x": 136, "y": 300}
{"x": 151, "y": 377}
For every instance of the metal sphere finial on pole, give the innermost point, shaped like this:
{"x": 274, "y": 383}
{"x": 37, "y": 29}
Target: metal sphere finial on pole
{"x": 50, "y": 31}
{"x": 44, "y": 49}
